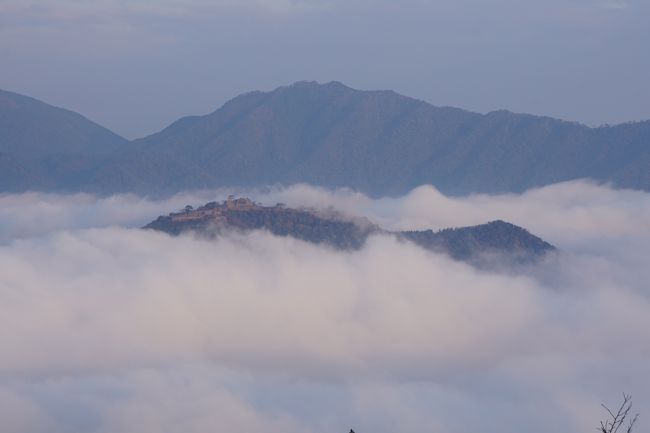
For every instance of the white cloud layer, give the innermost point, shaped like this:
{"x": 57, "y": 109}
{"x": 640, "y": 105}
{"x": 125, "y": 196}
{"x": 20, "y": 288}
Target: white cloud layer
{"x": 107, "y": 328}
{"x": 568, "y": 214}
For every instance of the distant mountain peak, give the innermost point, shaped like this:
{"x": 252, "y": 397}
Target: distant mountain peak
{"x": 304, "y": 84}
{"x": 315, "y": 84}
{"x": 377, "y": 142}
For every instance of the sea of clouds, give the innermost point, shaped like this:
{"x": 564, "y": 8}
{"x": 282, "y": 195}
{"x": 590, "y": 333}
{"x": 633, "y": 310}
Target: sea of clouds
{"x": 105, "y": 327}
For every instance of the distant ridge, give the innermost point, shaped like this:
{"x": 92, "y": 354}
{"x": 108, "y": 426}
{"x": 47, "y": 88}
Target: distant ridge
{"x": 31, "y": 129}
{"x": 377, "y": 142}
{"x": 45, "y": 148}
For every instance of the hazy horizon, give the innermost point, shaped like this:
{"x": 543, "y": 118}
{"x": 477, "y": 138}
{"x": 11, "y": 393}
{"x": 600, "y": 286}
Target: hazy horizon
{"x": 137, "y": 66}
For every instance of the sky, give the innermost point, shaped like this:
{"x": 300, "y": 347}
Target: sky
{"x": 136, "y": 66}
{"x": 106, "y": 328}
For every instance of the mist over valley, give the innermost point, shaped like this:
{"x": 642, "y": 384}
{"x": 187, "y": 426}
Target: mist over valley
{"x": 137, "y": 330}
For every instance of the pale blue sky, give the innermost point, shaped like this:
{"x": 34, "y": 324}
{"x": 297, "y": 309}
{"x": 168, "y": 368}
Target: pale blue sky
{"x": 136, "y": 66}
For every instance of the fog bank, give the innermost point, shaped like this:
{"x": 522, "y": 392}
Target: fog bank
{"x": 109, "y": 328}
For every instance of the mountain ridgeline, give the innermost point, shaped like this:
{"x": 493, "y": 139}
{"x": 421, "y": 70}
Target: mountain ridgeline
{"x": 496, "y": 242}
{"x": 48, "y": 148}
{"x": 377, "y": 142}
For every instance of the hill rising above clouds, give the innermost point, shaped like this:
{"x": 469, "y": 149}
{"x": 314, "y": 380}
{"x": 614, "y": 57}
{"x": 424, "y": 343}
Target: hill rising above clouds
{"x": 378, "y": 142}
{"x": 494, "y": 243}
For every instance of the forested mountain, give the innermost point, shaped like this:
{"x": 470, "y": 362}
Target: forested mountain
{"x": 43, "y": 147}
{"x": 504, "y": 242}
{"x": 378, "y": 142}
{"x": 468, "y": 243}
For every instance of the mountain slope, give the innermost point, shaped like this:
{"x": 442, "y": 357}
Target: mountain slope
{"x": 378, "y": 142}
{"x": 43, "y": 147}
{"x": 33, "y": 129}
{"x": 496, "y": 237}
{"x": 327, "y": 135}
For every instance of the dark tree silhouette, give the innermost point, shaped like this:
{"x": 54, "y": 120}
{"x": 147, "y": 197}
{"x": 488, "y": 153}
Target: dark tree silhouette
{"x": 618, "y": 418}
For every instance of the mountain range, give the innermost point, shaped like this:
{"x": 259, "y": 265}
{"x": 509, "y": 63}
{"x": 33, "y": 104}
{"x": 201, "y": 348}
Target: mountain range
{"x": 377, "y": 142}
{"x": 496, "y": 243}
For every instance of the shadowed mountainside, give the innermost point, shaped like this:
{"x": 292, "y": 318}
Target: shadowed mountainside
{"x": 472, "y": 244}
{"x": 378, "y": 142}
{"x": 496, "y": 237}
{"x": 43, "y": 147}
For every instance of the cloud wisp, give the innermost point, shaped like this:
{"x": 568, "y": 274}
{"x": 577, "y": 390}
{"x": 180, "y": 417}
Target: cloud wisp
{"x": 108, "y": 328}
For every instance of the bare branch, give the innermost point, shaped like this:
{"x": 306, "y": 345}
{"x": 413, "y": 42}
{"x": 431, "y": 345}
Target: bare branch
{"x": 618, "y": 418}
{"x": 632, "y": 422}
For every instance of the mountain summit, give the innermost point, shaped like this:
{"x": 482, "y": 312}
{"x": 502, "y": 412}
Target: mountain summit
{"x": 377, "y": 142}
